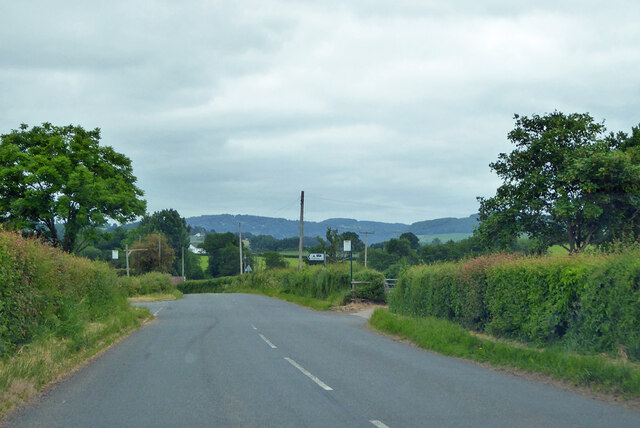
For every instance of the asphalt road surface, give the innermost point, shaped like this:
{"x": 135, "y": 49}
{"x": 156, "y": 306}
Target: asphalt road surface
{"x": 233, "y": 360}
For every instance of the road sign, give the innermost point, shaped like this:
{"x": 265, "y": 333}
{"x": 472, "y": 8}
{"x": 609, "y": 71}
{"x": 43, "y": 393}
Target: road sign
{"x": 316, "y": 257}
{"x": 114, "y": 254}
{"x": 347, "y": 246}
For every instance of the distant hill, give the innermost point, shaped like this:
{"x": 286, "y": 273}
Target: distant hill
{"x": 281, "y": 228}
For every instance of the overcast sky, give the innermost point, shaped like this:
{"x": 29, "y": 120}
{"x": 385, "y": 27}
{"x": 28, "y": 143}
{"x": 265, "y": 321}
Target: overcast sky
{"x": 379, "y": 110}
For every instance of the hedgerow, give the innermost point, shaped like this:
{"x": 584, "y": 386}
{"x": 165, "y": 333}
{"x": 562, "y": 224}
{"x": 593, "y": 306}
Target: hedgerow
{"x": 316, "y": 282}
{"x": 45, "y": 291}
{"x": 152, "y": 282}
{"x": 589, "y": 303}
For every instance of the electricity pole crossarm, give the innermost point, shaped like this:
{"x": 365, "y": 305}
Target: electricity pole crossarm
{"x": 128, "y": 252}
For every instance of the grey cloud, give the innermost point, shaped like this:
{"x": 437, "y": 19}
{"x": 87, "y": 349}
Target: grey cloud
{"x": 378, "y": 110}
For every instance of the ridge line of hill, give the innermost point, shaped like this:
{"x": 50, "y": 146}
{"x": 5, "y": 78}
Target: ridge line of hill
{"x": 282, "y": 228}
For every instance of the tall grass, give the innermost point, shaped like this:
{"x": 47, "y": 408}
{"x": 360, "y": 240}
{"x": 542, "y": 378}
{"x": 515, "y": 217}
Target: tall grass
{"x": 55, "y": 310}
{"x": 315, "y": 286}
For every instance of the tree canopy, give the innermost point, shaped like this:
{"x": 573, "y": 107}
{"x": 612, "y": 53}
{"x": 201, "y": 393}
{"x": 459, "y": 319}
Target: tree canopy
{"x": 52, "y": 175}
{"x": 565, "y": 183}
{"x": 152, "y": 253}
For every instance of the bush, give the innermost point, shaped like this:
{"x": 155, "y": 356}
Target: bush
{"x": 152, "y": 282}
{"x": 374, "y": 290}
{"x": 316, "y": 281}
{"x": 43, "y": 290}
{"x": 212, "y": 285}
{"x": 585, "y": 302}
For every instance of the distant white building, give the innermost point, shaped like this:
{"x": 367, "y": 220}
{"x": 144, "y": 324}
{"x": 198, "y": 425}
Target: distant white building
{"x": 196, "y": 250}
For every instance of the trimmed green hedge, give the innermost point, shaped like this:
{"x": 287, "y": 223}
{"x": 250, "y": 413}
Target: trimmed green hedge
{"x": 313, "y": 281}
{"x": 589, "y": 303}
{"x": 46, "y": 291}
{"x": 152, "y": 282}
{"x": 214, "y": 285}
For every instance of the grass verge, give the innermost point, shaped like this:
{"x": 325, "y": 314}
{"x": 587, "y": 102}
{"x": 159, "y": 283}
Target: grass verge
{"x": 48, "y": 359}
{"x": 157, "y": 297}
{"x": 309, "y": 302}
{"x": 599, "y": 373}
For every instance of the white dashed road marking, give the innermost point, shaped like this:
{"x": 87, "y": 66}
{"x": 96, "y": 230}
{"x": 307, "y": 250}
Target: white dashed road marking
{"x": 309, "y": 375}
{"x": 268, "y": 342}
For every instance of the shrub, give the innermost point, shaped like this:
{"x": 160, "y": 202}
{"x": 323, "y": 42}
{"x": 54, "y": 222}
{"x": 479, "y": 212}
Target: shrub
{"x": 211, "y": 285}
{"x": 584, "y": 302}
{"x": 45, "y": 290}
{"x": 152, "y": 282}
{"x": 316, "y": 281}
{"x": 374, "y": 290}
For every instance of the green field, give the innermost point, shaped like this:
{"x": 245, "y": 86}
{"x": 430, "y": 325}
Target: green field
{"x": 204, "y": 262}
{"x": 443, "y": 237}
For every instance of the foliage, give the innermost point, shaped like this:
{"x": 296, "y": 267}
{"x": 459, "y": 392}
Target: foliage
{"x": 586, "y": 303}
{"x": 413, "y": 240}
{"x": 373, "y": 288}
{"x": 152, "y": 282}
{"x": 316, "y": 282}
{"x": 356, "y": 243}
{"x": 52, "y": 174}
{"x": 378, "y": 259}
{"x": 45, "y": 290}
{"x": 450, "y": 339}
{"x": 151, "y": 253}
{"x": 223, "y": 252}
{"x": 331, "y": 246}
{"x": 211, "y": 285}
{"x": 169, "y": 223}
{"x": 274, "y": 260}
{"x": 564, "y": 183}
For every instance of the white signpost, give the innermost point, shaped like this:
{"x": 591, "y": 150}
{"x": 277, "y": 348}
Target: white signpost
{"x": 316, "y": 257}
{"x": 114, "y": 254}
{"x": 347, "y": 249}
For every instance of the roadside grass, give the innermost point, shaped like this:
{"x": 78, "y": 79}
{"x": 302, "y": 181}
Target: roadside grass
{"x": 50, "y": 358}
{"x": 310, "y": 302}
{"x": 157, "y": 297}
{"x": 600, "y": 373}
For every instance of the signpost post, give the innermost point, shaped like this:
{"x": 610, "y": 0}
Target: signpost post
{"x": 347, "y": 248}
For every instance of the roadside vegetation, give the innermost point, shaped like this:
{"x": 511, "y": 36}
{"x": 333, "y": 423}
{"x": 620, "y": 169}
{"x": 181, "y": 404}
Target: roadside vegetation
{"x": 598, "y": 372}
{"x": 315, "y": 286}
{"x": 56, "y": 311}
{"x": 152, "y": 286}
{"x": 548, "y": 282}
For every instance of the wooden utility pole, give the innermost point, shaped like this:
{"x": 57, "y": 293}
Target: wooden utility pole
{"x": 240, "y": 245}
{"x": 183, "y": 262}
{"x": 301, "y": 231}
{"x": 127, "y": 253}
{"x": 366, "y": 244}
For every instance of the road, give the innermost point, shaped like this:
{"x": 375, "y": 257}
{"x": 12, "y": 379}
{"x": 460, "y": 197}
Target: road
{"x": 233, "y": 360}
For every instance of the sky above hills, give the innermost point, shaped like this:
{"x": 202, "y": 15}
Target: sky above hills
{"x": 379, "y": 110}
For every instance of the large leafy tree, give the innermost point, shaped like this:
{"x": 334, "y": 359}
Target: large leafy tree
{"x": 565, "y": 183}
{"x": 223, "y": 250}
{"x": 152, "y": 254}
{"x": 169, "y": 223}
{"x": 52, "y": 176}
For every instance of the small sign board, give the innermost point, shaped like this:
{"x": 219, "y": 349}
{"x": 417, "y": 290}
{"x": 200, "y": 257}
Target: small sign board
{"x": 315, "y": 257}
{"x": 114, "y": 254}
{"x": 347, "y": 246}
{"x": 248, "y": 269}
